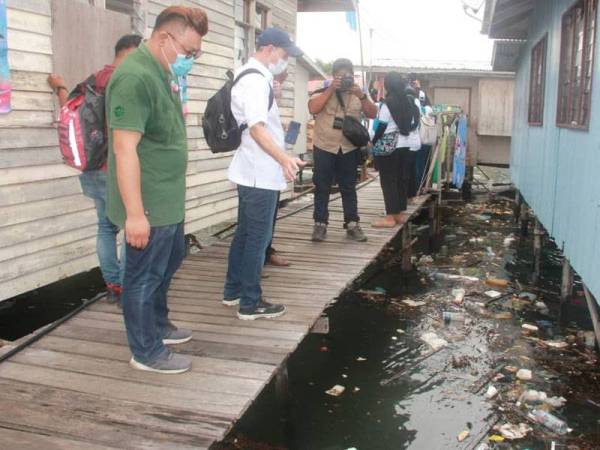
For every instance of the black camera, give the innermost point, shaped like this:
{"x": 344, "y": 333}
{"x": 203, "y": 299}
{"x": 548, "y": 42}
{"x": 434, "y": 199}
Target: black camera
{"x": 347, "y": 83}
{"x": 338, "y": 123}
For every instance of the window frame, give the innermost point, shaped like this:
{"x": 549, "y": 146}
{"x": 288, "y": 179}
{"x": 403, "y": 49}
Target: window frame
{"x": 539, "y": 54}
{"x": 251, "y": 28}
{"x": 576, "y": 103}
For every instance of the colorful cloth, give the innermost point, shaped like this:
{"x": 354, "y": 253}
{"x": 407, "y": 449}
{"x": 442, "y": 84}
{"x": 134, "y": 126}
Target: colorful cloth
{"x": 5, "y": 89}
{"x": 460, "y": 153}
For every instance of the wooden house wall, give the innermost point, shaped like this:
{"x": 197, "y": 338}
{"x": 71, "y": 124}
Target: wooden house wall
{"x": 556, "y": 169}
{"x": 47, "y": 227}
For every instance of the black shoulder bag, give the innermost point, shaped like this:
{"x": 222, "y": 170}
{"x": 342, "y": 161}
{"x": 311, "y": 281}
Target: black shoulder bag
{"x": 352, "y": 128}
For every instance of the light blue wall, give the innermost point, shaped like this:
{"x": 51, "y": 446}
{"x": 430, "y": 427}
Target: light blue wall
{"x": 557, "y": 170}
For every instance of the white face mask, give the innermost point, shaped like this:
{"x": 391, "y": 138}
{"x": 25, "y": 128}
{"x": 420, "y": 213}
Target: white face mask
{"x": 279, "y": 68}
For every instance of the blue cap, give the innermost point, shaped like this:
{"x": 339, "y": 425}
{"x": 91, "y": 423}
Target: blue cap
{"x": 278, "y": 38}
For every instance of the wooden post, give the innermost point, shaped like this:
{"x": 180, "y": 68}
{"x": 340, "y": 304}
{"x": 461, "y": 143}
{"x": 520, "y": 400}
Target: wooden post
{"x": 406, "y": 248}
{"x": 524, "y": 218}
{"x": 431, "y": 209}
{"x": 566, "y": 286}
{"x": 282, "y": 384}
{"x": 537, "y": 250}
{"x": 593, "y": 307}
{"x": 517, "y": 206}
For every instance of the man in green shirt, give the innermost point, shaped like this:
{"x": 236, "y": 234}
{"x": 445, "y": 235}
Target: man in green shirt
{"x": 146, "y": 180}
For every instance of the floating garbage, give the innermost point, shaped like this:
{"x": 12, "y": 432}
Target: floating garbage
{"x": 542, "y": 308}
{"x": 463, "y": 435}
{"x": 556, "y": 402}
{"x": 550, "y": 421}
{"x": 476, "y": 240}
{"x": 509, "y": 240}
{"x": 556, "y": 344}
{"x": 459, "y": 296}
{"x": 512, "y": 432}
{"x": 493, "y": 294}
{"x": 413, "y": 304}
{"x": 491, "y": 392}
{"x": 497, "y": 283}
{"x": 496, "y": 438}
{"x": 524, "y": 374}
{"x": 434, "y": 341}
{"x": 426, "y": 259}
{"x": 336, "y": 390}
{"x": 450, "y": 317}
{"x": 528, "y": 296}
{"x": 361, "y": 359}
{"x": 528, "y": 327}
{"x": 453, "y": 277}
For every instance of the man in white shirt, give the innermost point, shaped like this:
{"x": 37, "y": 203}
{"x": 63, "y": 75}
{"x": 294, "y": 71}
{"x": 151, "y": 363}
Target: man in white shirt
{"x": 260, "y": 168}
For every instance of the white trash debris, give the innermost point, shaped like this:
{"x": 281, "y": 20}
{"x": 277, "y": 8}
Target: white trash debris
{"x": 556, "y": 344}
{"x": 459, "y": 296}
{"x": 493, "y": 294}
{"x": 542, "y": 308}
{"x": 463, "y": 435}
{"x": 510, "y": 431}
{"x": 336, "y": 391}
{"x": 413, "y": 304}
{"x": 491, "y": 392}
{"x": 434, "y": 341}
{"x": 533, "y": 396}
{"x": 555, "y": 402}
{"x": 528, "y": 296}
{"x": 528, "y": 327}
{"x": 361, "y": 359}
{"x": 524, "y": 374}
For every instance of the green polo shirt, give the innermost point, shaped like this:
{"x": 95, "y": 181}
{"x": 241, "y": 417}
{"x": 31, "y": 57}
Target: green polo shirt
{"x": 139, "y": 98}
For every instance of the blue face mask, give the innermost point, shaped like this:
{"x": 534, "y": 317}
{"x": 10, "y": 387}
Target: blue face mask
{"x": 182, "y": 65}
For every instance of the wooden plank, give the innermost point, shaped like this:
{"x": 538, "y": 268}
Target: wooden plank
{"x": 23, "y": 440}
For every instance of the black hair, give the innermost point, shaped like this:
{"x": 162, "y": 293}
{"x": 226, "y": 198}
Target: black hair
{"x": 340, "y": 64}
{"x": 126, "y": 42}
{"x": 401, "y": 104}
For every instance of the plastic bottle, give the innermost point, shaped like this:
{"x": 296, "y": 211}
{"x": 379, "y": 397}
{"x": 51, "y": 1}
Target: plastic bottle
{"x": 450, "y": 317}
{"x": 550, "y": 421}
{"x": 474, "y": 308}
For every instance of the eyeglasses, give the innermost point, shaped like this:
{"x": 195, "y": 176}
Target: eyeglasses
{"x": 189, "y": 54}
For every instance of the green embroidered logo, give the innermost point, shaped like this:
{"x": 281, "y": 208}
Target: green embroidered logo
{"x": 119, "y": 111}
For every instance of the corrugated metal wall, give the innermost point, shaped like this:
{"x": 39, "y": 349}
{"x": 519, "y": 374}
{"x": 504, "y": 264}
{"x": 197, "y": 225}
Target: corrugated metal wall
{"x": 557, "y": 169}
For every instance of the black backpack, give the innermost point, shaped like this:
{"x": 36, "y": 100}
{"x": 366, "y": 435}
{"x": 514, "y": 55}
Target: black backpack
{"x": 221, "y": 130}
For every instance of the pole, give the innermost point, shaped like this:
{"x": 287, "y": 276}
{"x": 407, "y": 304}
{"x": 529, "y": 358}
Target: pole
{"x": 362, "y": 60}
{"x": 370, "y": 57}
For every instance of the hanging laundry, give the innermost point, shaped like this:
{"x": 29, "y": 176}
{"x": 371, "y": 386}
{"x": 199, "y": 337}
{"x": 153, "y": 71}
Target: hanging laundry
{"x": 460, "y": 152}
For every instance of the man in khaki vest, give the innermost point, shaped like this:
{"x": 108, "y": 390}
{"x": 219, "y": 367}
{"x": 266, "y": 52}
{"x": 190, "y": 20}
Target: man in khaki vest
{"x": 335, "y": 157}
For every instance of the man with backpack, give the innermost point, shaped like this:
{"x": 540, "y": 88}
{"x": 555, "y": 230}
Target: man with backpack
{"x": 93, "y": 178}
{"x": 260, "y": 169}
{"x": 147, "y": 165}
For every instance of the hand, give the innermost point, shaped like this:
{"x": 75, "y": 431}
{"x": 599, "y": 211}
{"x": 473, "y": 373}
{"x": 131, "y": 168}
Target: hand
{"x": 357, "y": 91}
{"x": 290, "y": 166}
{"x": 336, "y": 83}
{"x": 137, "y": 231}
{"x": 56, "y": 81}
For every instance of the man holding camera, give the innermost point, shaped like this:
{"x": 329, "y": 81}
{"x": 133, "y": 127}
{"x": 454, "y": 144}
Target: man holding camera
{"x": 335, "y": 157}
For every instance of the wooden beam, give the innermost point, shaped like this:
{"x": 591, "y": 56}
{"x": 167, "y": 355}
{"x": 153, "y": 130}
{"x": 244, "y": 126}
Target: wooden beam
{"x": 566, "y": 286}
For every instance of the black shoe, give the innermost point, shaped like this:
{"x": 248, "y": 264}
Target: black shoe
{"x": 263, "y": 310}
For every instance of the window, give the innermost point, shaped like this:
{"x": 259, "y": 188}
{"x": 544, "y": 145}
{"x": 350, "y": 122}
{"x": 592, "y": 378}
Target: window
{"x": 576, "y": 65}
{"x": 537, "y": 82}
{"x": 251, "y": 18}
{"x": 122, "y": 6}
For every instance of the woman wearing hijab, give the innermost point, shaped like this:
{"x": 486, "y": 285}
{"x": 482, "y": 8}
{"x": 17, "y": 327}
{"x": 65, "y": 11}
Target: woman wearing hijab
{"x": 396, "y": 136}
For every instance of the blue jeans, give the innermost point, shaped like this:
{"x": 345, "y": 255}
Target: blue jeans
{"x": 254, "y": 231}
{"x": 148, "y": 274}
{"x": 93, "y": 185}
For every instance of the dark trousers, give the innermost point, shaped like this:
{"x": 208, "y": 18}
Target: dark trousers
{"x": 270, "y": 249}
{"x": 394, "y": 174}
{"x": 148, "y": 274}
{"x": 411, "y": 174}
{"x": 422, "y": 163}
{"x": 341, "y": 167}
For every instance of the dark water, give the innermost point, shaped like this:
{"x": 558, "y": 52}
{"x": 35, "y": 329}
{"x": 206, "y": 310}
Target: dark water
{"x": 398, "y": 394}
{"x": 26, "y": 313}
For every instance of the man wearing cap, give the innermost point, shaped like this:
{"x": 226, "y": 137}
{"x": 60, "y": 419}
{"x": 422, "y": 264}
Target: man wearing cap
{"x": 260, "y": 169}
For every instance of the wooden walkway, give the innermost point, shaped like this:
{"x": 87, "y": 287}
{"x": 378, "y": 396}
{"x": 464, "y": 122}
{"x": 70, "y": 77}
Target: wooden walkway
{"x": 74, "y": 389}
